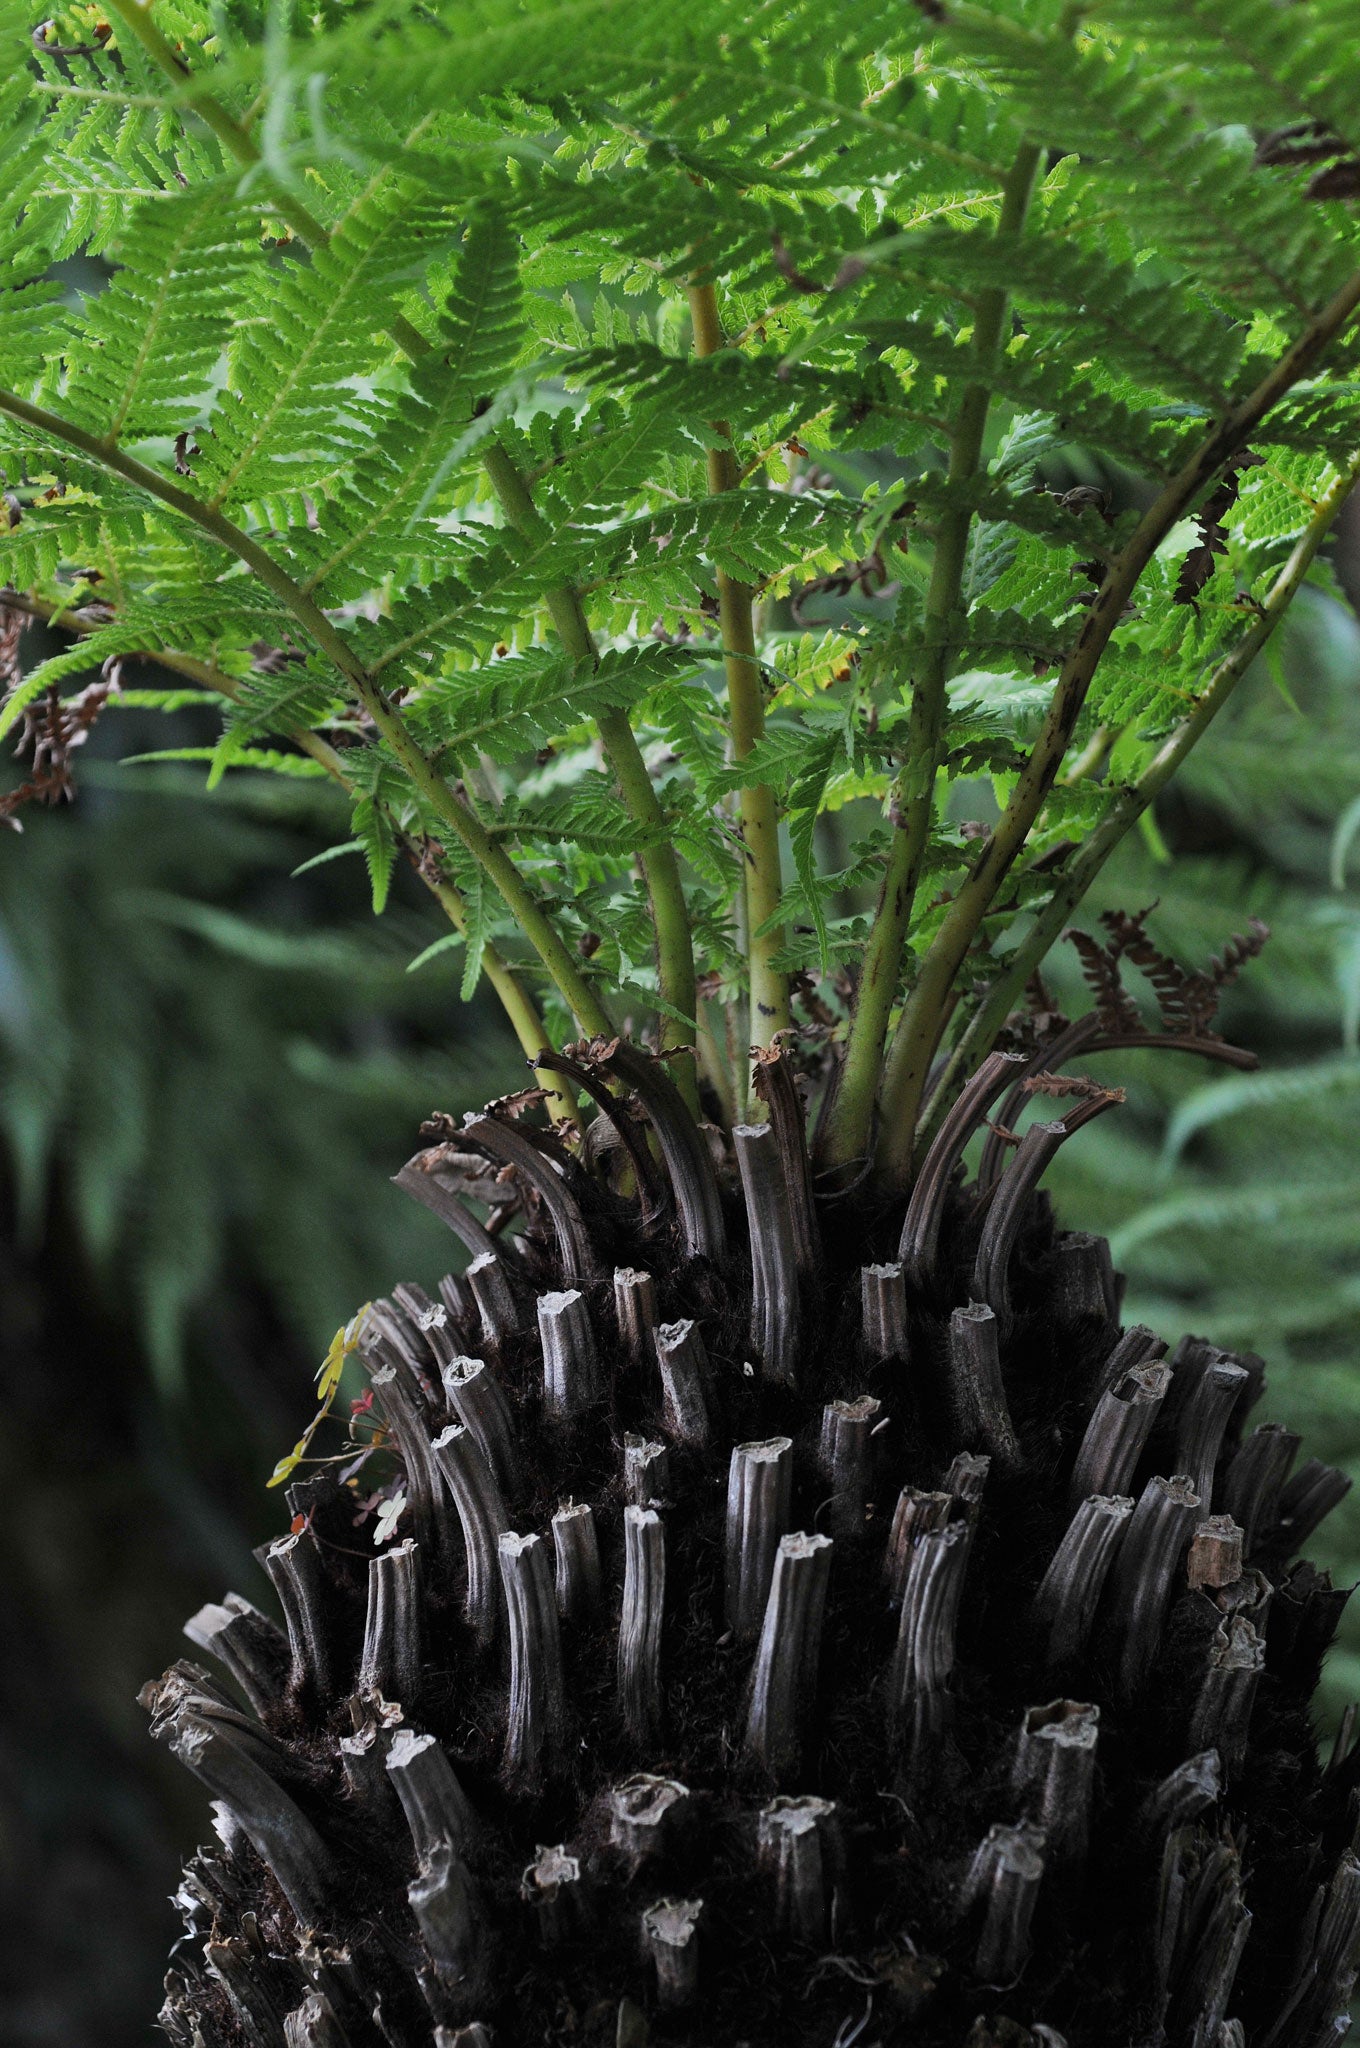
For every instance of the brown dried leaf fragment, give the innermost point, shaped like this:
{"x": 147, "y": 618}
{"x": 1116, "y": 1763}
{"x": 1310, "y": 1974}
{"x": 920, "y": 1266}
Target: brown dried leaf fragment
{"x": 50, "y": 732}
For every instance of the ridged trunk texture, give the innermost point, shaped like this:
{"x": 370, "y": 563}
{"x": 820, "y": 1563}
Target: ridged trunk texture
{"x": 808, "y": 1626}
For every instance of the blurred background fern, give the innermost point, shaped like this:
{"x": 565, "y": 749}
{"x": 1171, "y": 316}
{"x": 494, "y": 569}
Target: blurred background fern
{"x": 208, "y": 1071}
{"x": 1233, "y": 1201}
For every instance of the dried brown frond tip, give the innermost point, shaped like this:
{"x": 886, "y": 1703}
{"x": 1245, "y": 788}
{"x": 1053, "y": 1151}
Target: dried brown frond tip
{"x": 50, "y": 731}
{"x": 12, "y": 625}
{"x": 1100, "y": 970}
{"x": 1080, "y": 1085}
{"x": 1243, "y": 946}
{"x": 1187, "y": 999}
{"x": 439, "y": 1127}
{"x": 516, "y": 1104}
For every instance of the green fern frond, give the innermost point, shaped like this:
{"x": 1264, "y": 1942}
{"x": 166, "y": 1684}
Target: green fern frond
{"x": 659, "y": 559}
{"x": 141, "y": 362}
{"x": 293, "y": 411}
{"x": 1162, "y": 164}
{"x": 1257, "y": 1094}
{"x": 1252, "y": 66}
{"x": 516, "y": 706}
{"x": 198, "y": 622}
{"x": 653, "y": 431}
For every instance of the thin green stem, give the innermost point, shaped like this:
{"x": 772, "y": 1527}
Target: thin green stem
{"x": 656, "y": 855}
{"x": 491, "y": 856}
{"x": 923, "y": 1016}
{"x": 518, "y": 1004}
{"x": 1092, "y": 757}
{"x": 1126, "y": 807}
{"x": 527, "y": 912}
{"x": 713, "y": 1065}
{"x": 757, "y": 809}
{"x": 233, "y": 137}
{"x": 660, "y": 868}
{"x": 240, "y": 145}
{"x": 912, "y": 798}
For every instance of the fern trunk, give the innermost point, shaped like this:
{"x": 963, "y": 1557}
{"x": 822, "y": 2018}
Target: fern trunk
{"x": 810, "y": 1623}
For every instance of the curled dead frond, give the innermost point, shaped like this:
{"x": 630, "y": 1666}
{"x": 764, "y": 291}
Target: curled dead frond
{"x": 1187, "y": 998}
{"x": 12, "y": 625}
{"x": 1100, "y": 971}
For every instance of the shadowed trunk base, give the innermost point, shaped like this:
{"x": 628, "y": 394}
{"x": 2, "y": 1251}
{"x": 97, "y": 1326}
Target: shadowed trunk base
{"x": 807, "y": 1625}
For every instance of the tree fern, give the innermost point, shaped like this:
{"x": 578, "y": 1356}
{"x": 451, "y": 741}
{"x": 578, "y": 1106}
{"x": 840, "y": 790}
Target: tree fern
{"x": 635, "y": 455}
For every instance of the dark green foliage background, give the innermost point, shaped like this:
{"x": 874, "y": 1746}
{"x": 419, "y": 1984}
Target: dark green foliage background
{"x": 207, "y": 1071}
{"x": 1233, "y": 1202}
